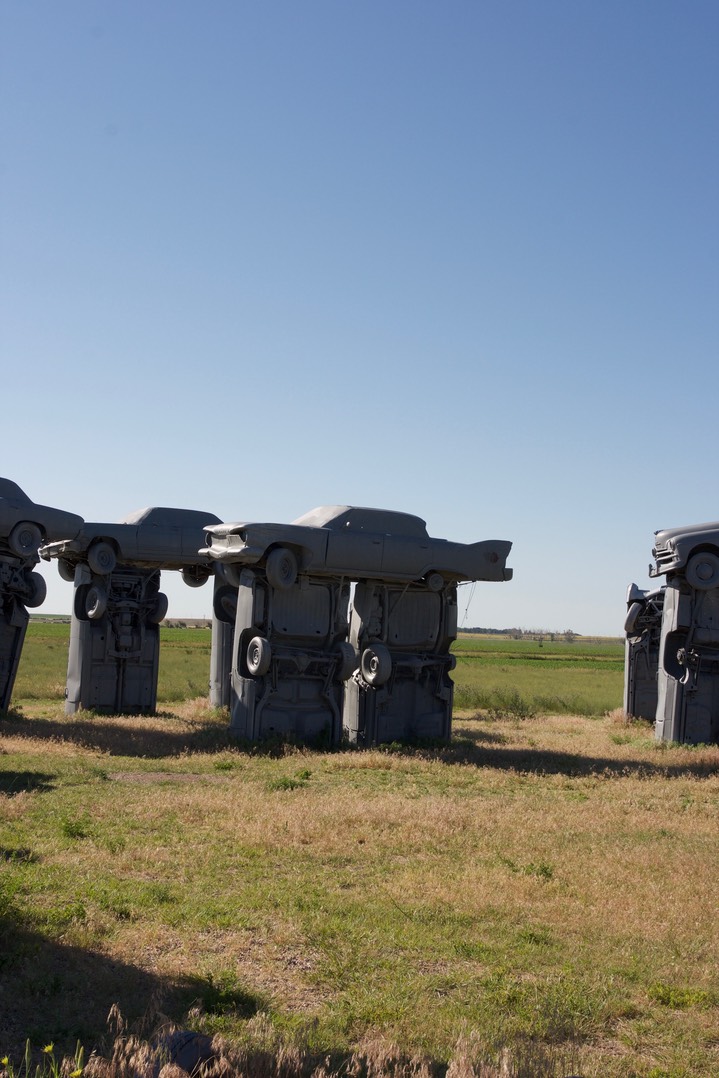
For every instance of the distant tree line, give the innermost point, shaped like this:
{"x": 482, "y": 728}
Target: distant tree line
{"x": 525, "y": 634}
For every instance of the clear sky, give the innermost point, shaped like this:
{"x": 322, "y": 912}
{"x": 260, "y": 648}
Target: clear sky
{"x": 454, "y": 258}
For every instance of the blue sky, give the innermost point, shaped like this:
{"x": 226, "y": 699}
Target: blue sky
{"x": 457, "y": 259}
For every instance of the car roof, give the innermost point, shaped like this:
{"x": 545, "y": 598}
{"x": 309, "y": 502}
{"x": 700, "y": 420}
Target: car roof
{"x": 8, "y": 489}
{"x": 360, "y": 518}
{"x": 159, "y": 516}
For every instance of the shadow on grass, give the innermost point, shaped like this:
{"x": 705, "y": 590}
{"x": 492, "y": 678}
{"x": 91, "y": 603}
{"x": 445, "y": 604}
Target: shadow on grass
{"x": 51, "y": 992}
{"x": 480, "y": 748}
{"x": 468, "y": 749}
{"x": 131, "y": 736}
{"x": 17, "y": 782}
{"x": 128, "y": 736}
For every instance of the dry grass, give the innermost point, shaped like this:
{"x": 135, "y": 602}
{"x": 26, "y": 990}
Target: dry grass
{"x": 547, "y": 886}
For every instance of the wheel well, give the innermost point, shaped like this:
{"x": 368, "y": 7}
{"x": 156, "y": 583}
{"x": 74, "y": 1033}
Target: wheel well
{"x": 296, "y": 549}
{"x": 703, "y": 548}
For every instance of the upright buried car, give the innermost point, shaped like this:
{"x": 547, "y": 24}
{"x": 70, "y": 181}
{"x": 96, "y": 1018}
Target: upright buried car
{"x": 118, "y": 605}
{"x": 641, "y": 651}
{"x": 688, "y": 669}
{"x": 402, "y": 690}
{"x": 359, "y": 543}
{"x": 291, "y": 658}
{"x": 692, "y": 550}
{"x": 23, "y": 527}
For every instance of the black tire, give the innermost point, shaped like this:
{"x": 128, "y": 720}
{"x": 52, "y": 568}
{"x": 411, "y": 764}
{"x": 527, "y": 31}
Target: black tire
{"x": 159, "y": 610}
{"x": 195, "y": 576}
{"x": 259, "y": 656}
{"x": 66, "y": 569}
{"x": 702, "y": 571}
{"x": 346, "y": 661}
{"x": 376, "y": 664}
{"x": 434, "y": 582}
{"x": 281, "y": 568}
{"x": 224, "y": 604}
{"x": 95, "y": 602}
{"x": 79, "y": 608}
{"x": 38, "y": 590}
{"x": 24, "y": 539}
{"x": 101, "y": 558}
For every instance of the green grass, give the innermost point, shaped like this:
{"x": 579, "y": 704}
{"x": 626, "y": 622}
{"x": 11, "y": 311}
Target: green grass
{"x": 531, "y": 883}
{"x": 525, "y": 677}
{"x": 492, "y": 673}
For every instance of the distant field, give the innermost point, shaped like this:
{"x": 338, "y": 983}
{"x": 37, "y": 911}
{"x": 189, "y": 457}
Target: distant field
{"x": 584, "y": 677}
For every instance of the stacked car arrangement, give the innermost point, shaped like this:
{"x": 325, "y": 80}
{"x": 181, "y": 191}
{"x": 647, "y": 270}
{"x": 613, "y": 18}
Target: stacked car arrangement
{"x": 672, "y": 638}
{"x": 338, "y": 625}
{"x": 295, "y": 652}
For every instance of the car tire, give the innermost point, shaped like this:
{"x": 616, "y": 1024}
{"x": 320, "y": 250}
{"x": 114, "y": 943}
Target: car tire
{"x": 224, "y": 604}
{"x": 24, "y": 539}
{"x": 702, "y": 571}
{"x": 281, "y": 568}
{"x": 95, "y": 602}
{"x": 159, "y": 610}
{"x": 259, "y": 656}
{"x": 346, "y": 661}
{"x": 195, "y": 576}
{"x": 434, "y": 582}
{"x": 66, "y": 569}
{"x": 101, "y": 558}
{"x": 376, "y": 664}
{"x": 79, "y": 608}
{"x": 38, "y": 590}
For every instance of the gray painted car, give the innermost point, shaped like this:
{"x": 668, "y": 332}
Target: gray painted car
{"x": 361, "y": 543}
{"x": 25, "y": 525}
{"x": 693, "y": 549}
{"x": 688, "y": 663}
{"x": 150, "y": 538}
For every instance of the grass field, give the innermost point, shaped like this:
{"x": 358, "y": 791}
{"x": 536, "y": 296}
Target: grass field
{"x": 492, "y": 671}
{"x": 544, "y": 886}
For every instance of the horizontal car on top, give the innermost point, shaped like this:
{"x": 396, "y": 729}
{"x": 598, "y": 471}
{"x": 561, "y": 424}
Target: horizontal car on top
{"x": 357, "y": 542}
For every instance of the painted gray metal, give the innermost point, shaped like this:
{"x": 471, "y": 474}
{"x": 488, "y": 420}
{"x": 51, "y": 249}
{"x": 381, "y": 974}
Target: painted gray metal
{"x": 117, "y": 604}
{"x": 13, "y": 624}
{"x": 221, "y": 654}
{"x": 401, "y": 690}
{"x": 290, "y": 656}
{"x": 287, "y": 587}
{"x": 154, "y": 538}
{"x": 688, "y": 679}
{"x": 24, "y": 526}
{"x": 688, "y": 668}
{"x": 114, "y": 654}
{"x": 674, "y": 549}
{"x": 641, "y": 651}
{"x": 358, "y": 543}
